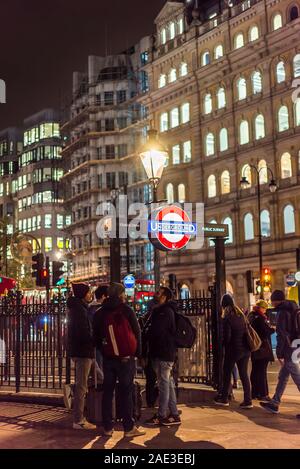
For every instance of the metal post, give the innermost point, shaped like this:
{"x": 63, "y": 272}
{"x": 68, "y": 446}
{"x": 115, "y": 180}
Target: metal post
{"x": 18, "y": 341}
{"x": 115, "y": 253}
{"x": 261, "y": 295}
{"x": 156, "y": 251}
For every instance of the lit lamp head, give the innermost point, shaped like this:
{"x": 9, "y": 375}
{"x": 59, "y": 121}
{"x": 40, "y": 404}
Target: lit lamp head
{"x": 244, "y": 183}
{"x": 273, "y": 186}
{"x": 154, "y": 157}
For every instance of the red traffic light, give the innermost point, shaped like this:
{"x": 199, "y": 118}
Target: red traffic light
{"x": 45, "y": 273}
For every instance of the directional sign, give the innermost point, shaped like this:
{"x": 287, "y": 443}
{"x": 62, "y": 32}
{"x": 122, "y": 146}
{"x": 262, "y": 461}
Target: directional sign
{"x": 212, "y": 230}
{"x": 290, "y": 280}
{"x": 129, "y": 281}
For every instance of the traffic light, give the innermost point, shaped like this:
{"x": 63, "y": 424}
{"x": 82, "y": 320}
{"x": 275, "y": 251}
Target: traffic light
{"x": 266, "y": 280}
{"x": 37, "y": 269}
{"x": 45, "y": 278}
{"x": 173, "y": 283}
{"x": 57, "y": 272}
{"x": 258, "y": 287}
{"x": 249, "y": 277}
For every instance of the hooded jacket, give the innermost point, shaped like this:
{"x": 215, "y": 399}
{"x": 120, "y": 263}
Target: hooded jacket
{"x": 109, "y": 305}
{"x": 162, "y": 331}
{"x": 260, "y": 324}
{"x": 284, "y": 329}
{"x": 80, "y": 335}
{"x": 234, "y": 333}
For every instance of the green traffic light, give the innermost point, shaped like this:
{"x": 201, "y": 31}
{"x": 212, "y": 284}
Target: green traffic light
{"x": 1, "y": 279}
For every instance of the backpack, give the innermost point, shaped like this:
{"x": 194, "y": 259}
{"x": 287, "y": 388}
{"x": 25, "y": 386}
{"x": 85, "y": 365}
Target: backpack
{"x": 120, "y": 340}
{"x": 186, "y": 333}
{"x": 295, "y": 324}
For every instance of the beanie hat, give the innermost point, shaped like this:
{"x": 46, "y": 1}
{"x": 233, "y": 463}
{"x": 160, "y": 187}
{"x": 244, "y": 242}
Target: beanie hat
{"x": 262, "y": 304}
{"x": 278, "y": 295}
{"x": 115, "y": 290}
{"x": 80, "y": 290}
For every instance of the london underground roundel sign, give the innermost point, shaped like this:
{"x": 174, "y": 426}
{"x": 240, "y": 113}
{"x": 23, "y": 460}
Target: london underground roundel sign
{"x": 170, "y": 228}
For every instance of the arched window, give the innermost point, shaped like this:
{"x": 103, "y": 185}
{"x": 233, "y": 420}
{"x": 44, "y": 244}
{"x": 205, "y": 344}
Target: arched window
{"x": 289, "y": 219}
{"x": 265, "y": 223}
{"x": 286, "y": 166}
{"x": 170, "y": 193}
{"x": 210, "y": 144}
{"x": 248, "y": 227}
{"x": 225, "y": 182}
{"x": 172, "y": 31}
{"x": 162, "y": 81}
{"x": 277, "y": 21}
{"x": 174, "y": 117}
{"x": 219, "y": 51}
{"x": 294, "y": 13}
{"x": 253, "y": 33}
{"x": 221, "y": 96}
{"x": 256, "y": 82}
{"x": 242, "y": 88}
{"x": 280, "y": 72}
{"x": 296, "y": 63}
{"x": 183, "y": 69}
{"x": 246, "y": 172}
{"x": 228, "y": 221}
{"x": 212, "y": 222}
{"x": 259, "y": 127}
{"x": 263, "y": 172}
{"x": 207, "y": 104}
{"x": 283, "y": 119}
{"x": 211, "y": 186}
{"x": 205, "y": 58}
{"x": 163, "y": 36}
{"x": 181, "y": 193}
{"x": 239, "y": 41}
{"x": 297, "y": 111}
{"x": 244, "y": 133}
{"x": 223, "y": 139}
{"x": 172, "y": 75}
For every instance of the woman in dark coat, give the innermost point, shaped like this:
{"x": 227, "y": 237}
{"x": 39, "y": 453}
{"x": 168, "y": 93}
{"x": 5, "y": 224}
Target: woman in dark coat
{"x": 236, "y": 351}
{"x": 262, "y": 357}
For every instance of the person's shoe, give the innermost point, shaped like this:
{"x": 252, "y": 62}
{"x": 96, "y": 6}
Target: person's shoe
{"x": 84, "y": 425}
{"x": 222, "y": 402}
{"x": 108, "y": 433}
{"x": 246, "y": 405}
{"x": 265, "y": 399}
{"x": 134, "y": 432}
{"x": 171, "y": 420}
{"x": 68, "y": 396}
{"x": 270, "y": 407}
{"x": 153, "y": 422}
{"x": 235, "y": 385}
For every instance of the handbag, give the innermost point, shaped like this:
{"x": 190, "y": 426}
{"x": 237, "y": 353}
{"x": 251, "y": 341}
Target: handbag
{"x": 253, "y": 340}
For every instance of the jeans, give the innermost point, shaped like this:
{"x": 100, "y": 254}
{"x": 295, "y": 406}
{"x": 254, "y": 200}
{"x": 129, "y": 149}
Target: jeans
{"x": 123, "y": 370}
{"x": 242, "y": 365}
{"x": 83, "y": 368}
{"x": 288, "y": 369}
{"x": 235, "y": 374}
{"x": 166, "y": 386}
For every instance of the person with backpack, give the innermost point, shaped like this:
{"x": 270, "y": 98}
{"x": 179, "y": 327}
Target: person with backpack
{"x": 236, "y": 351}
{"x": 94, "y": 313}
{"x": 161, "y": 337}
{"x": 288, "y": 330}
{"x": 118, "y": 336}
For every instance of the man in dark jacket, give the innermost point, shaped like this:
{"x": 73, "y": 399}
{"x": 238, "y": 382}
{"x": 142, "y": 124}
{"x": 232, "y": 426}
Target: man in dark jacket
{"x": 80, "y": 348}
{"x": 162, "y": 351}
{"x": 286, "y": 334}
{"x": 117, "y": 368}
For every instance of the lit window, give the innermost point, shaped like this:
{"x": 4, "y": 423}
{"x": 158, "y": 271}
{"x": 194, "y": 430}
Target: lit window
{"x": 242, "y": 88}
{"x": 163, "y": 36}
{"x": 162, "y": 81}
{"x": 265, "y": 223}
{"x": 225, "y": 182}
{"x": 172, "y": 30}
{"x": 219, "y": 52}
{"x": 246, "y": 172}
{"x": 223, "y": 139}
{"x": 181, "y": 193}
{"x": 180, "y": 26}
{"x": 170, "y": 193}
{"x": 187, "y": 151}
{"x": 228, "y": 222}
{"x": 297, "y": 112}
{"x": 239, "y": 41}
{"x": 174, "y": 117}
{"x": 286, "y": 166}
{"x": 183, "y": 69}
{"x": 172, "y": 75}
{"x": 253, "y": 33}
{"x": 283, "y": 119}
{"x": 164, "y": 122}
{"x": 277, "y": 21}
{"x": 60, "y": 221}
{"x": 221, "y": 98}
{"x": 248, "y": 227}
{"x": 207, "y": 104}
{"x": 60, "y": 243}
{"x": 205, "y": 59}
{"x": 259, "y": 127}
{"x": 185, "y": 113}
{"x": 210, "y": 144}
{"x": 211, "y": 242}
{"x": 280, "y": 72}
{"x": 289, "y": 219}
{"x": 48, "y": 244}
{"x": 211, "y": 186}
{"x": 244, "y": 133}
{"x": 263, "y": 172}
{"x": 48, "y": 220}
{"x": 256, "y": 82}
{"x": 296, "y": 64}
{"x": 176, "y": 154}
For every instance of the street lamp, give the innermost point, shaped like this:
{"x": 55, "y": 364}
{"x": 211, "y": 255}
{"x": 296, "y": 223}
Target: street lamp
{"x": 273, "y": 187}
{"x": 154, "y": 157}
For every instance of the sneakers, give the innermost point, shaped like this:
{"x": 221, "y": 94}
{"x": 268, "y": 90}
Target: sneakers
{"x": 270, "y": 407}
{"x": 171, "y": 420}
{"x": 246, "y": 405}
{"x": 220, "y": 401}
{"x": 68, "y": 396}
{"x": 134, "y": 432}
{"x": 153, "y": 422}
{"x": 84, "y": 425}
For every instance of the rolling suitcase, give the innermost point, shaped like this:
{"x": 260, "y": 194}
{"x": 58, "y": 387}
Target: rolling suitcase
{"x": 137, "y": 402}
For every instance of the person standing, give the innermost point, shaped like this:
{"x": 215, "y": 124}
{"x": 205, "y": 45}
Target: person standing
{"x": 94, "y": 313}
{"x": 80, "y": 349}
{"x": 262, "y": 357}
{"x": 288, "y": 330}
{"x": 162, "y": 352}
{"x": 236, "y": 351}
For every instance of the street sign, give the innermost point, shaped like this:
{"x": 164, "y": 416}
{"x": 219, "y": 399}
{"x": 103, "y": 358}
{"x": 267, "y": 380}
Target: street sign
{"x": 290, "y": 280}
{"x": 212, "y": 230}
{"x": 297, "y": 276}
{"x": 129, "y": 281}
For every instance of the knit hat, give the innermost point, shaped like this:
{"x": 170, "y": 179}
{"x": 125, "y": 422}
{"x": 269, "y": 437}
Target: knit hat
{"x": 80, "y": 290}
{"x": 262, "y": 304}
{"x": 278, "y": 295}
{"x": 115, "y": 290}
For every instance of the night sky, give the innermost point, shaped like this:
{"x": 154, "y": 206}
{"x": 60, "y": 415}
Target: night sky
{"x": 43, "y": 42}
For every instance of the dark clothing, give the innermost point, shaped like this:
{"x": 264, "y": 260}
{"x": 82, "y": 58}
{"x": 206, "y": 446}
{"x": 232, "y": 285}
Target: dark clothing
{"x": 261, "y": 325}
{"x": 234, "y": 335}
{"x": 80, "y": 335}
{"x": 108, "y": 306}
{"x": 259, "y": 378}
{"x": 123, "y": 371}
{"x": 284, "y": 329}
{"x": 151, "y": 385}
{"x": 242, "y": 364}
{"x": 162, "y": 331}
